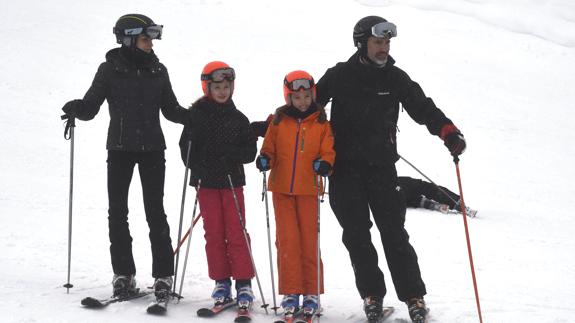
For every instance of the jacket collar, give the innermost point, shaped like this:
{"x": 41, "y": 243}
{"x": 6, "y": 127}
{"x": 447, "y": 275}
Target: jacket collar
{"x": 123, "y": 60}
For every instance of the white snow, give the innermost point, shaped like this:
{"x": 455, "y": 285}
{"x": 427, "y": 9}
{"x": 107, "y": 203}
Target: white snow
{"x": 502, "y": 70}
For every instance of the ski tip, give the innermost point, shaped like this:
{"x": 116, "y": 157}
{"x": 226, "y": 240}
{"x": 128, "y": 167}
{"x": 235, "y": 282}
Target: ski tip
{"x": 242, "y": 319}
{"x": 91, "y": 302}
{"x": 205, "y": 312}
{"x": 156, "y": 309}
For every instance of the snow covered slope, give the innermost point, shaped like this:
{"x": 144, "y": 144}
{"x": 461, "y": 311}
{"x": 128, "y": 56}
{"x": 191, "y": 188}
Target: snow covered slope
{"x": 502, "y": 70}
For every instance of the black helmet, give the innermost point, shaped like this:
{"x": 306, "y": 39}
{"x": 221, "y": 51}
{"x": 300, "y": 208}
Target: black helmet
{"x": 129, "y": 26}
{"x": 371, "y": 26}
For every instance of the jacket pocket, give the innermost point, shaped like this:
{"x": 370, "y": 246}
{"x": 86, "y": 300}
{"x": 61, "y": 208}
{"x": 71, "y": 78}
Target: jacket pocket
{"x": 121, "y": 133}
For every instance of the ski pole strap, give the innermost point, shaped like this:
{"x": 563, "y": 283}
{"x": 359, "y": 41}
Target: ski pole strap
{"x": 70, "y": 122}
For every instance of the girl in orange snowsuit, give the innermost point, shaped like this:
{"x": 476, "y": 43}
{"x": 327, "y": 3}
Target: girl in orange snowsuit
{"x": 298, "y": 146}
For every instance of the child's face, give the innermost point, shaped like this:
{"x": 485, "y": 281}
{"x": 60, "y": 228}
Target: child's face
{"x": 301, "y": 100}
{"x": 221, "y": 91}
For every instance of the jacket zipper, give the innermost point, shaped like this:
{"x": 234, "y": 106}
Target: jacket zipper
{"x": 295, "y": 156}
{"x": 302, "y": 139}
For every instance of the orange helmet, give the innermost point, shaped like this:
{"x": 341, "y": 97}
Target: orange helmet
{"x": 217, "y": 71}
{"x": 298, "y": 81}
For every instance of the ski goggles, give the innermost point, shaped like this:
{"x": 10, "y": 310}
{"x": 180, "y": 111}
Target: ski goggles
{"x": 299, "y": 84}
{"x": 154, "y": 31}
{"x": 384, "y": 29}
{"x": 220, "y": 75}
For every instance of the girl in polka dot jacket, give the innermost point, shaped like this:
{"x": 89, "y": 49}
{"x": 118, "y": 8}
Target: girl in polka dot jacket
{"x": 219, "y": 142}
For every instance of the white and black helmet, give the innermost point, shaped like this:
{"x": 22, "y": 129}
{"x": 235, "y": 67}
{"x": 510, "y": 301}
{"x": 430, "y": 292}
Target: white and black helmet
{"x": 129, "y": 26}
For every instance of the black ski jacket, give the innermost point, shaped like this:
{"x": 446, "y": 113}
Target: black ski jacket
{"x": 221, "y": 142}
{"x": 365, "y": 109}
{"x": 135, "y": 94}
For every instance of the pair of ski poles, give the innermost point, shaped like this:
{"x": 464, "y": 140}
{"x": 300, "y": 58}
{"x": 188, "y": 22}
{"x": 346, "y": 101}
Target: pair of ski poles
{"x": 194, "y": 220}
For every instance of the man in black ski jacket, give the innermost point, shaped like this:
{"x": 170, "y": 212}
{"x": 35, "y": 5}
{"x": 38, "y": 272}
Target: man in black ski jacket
{"x": 136, "y": 86}
{"x": 366, "y": 92}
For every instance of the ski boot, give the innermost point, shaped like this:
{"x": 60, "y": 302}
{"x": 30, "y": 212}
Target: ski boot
{"x": 245, "y": 296}
{"x": 470, "y": 212}
{"x": 222, "y": 293}
{"x": 244, "y": 299}
{"x": 417, "y": 310}
{"x": 163, "y": 288}
{"x": 433, "y": 205}
{"x": 290, "y": 306}
{"x": 124, "y": 286}
{"x": 310, "y": 306}
{"x": 373, "y": 307}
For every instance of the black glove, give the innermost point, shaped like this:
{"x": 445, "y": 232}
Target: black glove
{"x": 259, "y": 128}
{"x": 263, "y": 163}
{"x": 455, "y": 143}
{"x": 321, "y": 167}
{"x": 72, "y": 108}
{"x": 453, "y": 139}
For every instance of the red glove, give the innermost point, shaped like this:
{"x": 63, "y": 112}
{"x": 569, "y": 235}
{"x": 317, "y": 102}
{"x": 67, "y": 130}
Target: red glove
{"x": 453, "y": 139}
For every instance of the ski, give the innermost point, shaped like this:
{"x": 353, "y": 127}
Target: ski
{"x": 385, "y": 314}
{"x": 216, "y": 309}
{"x": 158, "y": 307}
{"x": 243, "y": 315}
{"x": 91, "y": 302}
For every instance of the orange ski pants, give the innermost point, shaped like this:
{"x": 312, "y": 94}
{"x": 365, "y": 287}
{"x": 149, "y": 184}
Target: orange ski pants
{"x": 296, "y": 242}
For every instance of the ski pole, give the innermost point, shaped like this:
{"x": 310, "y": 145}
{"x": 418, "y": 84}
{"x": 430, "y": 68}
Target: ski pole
{"x": 187, "y": 234}
{"x": 456, "y": 161}
{"x": 189, "y": 240}
{"x": 264, "y": 305}
{"x": 69, "y": 135}
{"x": 319, "y": 200}
{"x": 265, "y": 198}
{"x": 182, "y": 212}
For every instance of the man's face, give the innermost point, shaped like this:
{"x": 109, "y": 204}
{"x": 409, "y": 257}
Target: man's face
{"x": 378, "y": 49}
{"x": 144, "y": 43}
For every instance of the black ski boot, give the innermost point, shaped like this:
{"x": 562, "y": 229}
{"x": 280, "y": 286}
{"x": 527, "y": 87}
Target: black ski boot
{"x": 417, "y": 310}
{"x": 124, "y": 286}
{"x": 373, "y": 307}
{"x": 162, "y": 290}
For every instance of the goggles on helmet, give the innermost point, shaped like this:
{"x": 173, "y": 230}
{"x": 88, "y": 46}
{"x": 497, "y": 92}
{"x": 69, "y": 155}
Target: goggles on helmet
{"x": 384, "y": 29}
{"x": 154, "y": 31}
{"x": 299, "y": 84}
{"x": 220, "y": 75}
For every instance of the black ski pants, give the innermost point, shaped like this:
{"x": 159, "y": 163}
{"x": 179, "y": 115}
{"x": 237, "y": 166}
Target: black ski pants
{"x": 414, "y": 188}
{"x": 354, "y": 190}
{"x": 152, "y": 173}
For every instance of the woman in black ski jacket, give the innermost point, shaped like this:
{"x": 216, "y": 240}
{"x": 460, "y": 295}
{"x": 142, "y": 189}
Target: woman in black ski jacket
{"x": 137, "y": 87}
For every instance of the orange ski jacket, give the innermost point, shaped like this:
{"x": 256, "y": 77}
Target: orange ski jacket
{"x": 292, "y": 145}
